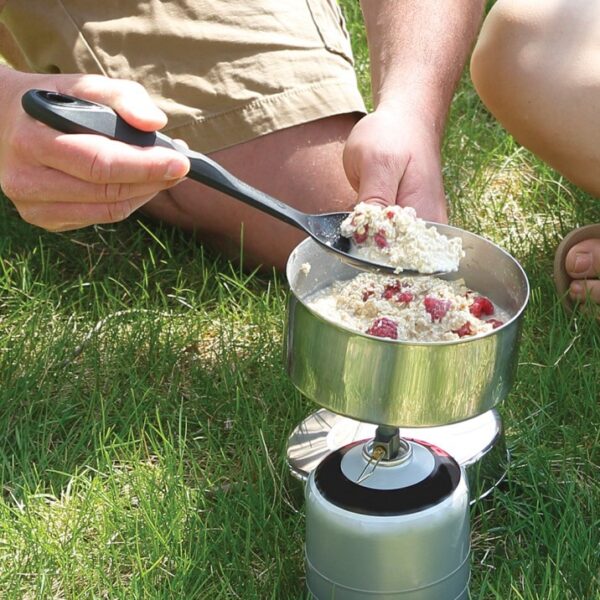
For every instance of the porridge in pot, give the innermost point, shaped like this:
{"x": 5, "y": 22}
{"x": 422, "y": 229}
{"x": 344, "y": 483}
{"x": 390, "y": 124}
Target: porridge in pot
{"x": 424, "y": 309}
{"x": 396, "y": 236}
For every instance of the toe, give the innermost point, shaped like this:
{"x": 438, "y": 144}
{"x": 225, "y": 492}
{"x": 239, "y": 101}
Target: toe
{"x": 585, "y": 291}
{"x": 583, "y": 260}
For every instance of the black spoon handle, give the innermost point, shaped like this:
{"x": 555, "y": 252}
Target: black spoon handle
{"x": 73, "y": 115}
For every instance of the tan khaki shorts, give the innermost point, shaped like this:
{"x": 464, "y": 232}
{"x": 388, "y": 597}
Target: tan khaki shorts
{"x": 224, "y": 71}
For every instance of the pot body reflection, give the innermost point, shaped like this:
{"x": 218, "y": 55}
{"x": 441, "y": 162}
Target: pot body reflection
{"x": 410, "y": 384}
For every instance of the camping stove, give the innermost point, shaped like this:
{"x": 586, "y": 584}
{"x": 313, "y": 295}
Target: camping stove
{"x": 387, "y": 514}
{"x": 477, "y": 444}
{"x": 387, "y": 518}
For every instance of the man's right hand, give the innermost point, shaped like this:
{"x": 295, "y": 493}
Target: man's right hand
{"x": 66, "y": 181}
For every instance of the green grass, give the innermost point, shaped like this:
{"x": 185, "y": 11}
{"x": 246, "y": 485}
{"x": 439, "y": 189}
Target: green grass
{"x": 145, "y": 408}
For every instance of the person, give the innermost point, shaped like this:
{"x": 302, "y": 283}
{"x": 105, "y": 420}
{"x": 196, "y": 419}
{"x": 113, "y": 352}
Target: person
{"x": 265, "y": 88}
{"x": 535, "y": 66}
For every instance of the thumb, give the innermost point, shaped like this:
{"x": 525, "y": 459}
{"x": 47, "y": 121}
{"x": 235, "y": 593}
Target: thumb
{"x": 379, "y": 182}
{"x": 128, "y": 98}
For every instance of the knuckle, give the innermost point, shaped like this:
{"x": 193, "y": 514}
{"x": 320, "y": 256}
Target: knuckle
{"x": 13, "y": 186}
{"x": 110, "y": 192}
{"x": 118, "y": 211}
{"x": 26, "y": 213}
{"x": 10, "y": 186}
{"x": 387, "y": 159}
{"x": 100, "y": 167}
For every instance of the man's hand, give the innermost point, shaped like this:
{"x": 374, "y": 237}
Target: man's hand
{"x": 393, "y": 158}
{"x": 65, "y": 181}
{"x": 418, "y": 49}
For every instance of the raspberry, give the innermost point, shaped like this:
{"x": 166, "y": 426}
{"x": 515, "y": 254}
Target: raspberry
{"x": 380, "y": 239}
{"x": 404, "y": 297}
{"x": 391, "y": 289}
{"x": 436, "y": 307}
{"x": 495, "y": 323}
{"x": 385, "y": 328}
{"x": 389, "y": 214}
{"x": 463, "y": 330}
{"x": 361, "y": 238}
{"x": 367, "y": 294}
{"x": 481, "y": 306}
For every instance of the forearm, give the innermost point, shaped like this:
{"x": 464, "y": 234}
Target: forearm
{"x": 418, "y": 49}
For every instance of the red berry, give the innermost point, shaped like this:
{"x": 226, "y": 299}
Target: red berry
{"x": 367, "y": 294}
{"x": 481, "y": 306}
{"x": 389, "y": 214}
{"x": 385, "y": 328}
{"x": 495, "y": 323}
{"x": 360, "y": 238}
{"x": 436, "y": 307}
{"x": 380, "y": 239}
{"x": 404, "y": 297}
{"x": 391, "y": 289}
{"x": 464, "y": 330}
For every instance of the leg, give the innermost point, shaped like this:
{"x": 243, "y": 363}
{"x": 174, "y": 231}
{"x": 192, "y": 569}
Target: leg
{"x": 536, "y": 66}
{"x": 301, "y": 165}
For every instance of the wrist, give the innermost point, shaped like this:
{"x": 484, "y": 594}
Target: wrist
{"x": 410, "y": 111}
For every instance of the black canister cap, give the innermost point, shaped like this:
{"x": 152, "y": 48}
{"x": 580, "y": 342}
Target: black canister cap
{"x": 335, "y": 487}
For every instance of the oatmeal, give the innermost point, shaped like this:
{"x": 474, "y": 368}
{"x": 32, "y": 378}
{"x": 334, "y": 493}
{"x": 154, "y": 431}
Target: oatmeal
{"x": 425, "y": 309}
{"x": 396, "y": 236}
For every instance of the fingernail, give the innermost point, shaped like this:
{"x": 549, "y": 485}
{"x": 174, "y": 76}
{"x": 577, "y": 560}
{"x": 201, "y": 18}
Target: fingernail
{"x": 583, "y": 261}
{"x": 176, "y": 170}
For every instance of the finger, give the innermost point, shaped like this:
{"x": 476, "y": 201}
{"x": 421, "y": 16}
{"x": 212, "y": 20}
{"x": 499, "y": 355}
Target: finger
{"x": 65, "y": 216}
{"x": 100, "y": 160}
{"x": 128, "y": 98}
{"x": 35, "y": 184}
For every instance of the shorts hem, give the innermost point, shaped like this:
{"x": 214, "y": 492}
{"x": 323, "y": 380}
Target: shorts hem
{"x": 269, "y": 114}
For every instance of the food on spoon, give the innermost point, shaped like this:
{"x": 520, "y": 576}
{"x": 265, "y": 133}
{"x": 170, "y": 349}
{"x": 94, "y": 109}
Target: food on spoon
{"x": 424, "y": 309}
{"x": 394, "y": 235}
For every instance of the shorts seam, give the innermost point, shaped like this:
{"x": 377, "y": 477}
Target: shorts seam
{"x": 256, "y": 103}
{"x": 84, "y": 39}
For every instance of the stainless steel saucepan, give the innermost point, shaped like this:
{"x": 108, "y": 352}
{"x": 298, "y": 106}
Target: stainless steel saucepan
{"x": 404, "y": 384}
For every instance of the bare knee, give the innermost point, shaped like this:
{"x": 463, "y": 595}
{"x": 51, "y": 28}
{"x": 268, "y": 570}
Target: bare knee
{"x": 507, "y": 61}
{"x": 535, "y": 67}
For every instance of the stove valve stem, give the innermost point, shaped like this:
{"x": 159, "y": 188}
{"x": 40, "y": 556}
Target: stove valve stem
{"x": 387, "y": 440}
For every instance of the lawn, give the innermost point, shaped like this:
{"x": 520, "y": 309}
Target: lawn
{"x": 146, "y": 409}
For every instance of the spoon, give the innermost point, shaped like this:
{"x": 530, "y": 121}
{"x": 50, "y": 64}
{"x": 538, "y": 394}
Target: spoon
{"x": 74, "y": 115}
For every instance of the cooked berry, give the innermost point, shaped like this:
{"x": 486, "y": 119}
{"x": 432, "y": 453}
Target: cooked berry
{"x": 481, "y": 306}
{"x": 404, "y": 297}
{"x": 367, "y": 294}
{"x": 464, "y": 330}
{"x": 391, "y": 289}
{"x": 389, "y": 214}
{"x": 384, "y": 327}
{"x": 380, "y": 239}
{"x": 495, "y": 323}
{"x": 436, "y": 307}
{"x": 360, "y": 238}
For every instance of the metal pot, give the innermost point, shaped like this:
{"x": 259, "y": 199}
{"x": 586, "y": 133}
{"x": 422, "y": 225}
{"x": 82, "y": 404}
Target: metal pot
{"x": 404, "y": 384}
